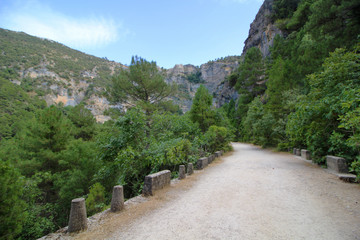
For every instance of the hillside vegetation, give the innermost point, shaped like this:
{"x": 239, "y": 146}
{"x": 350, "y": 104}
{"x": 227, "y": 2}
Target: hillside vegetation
{"x": 21, "y": 52}
{"x": 306, "y": 94}
{"x": 51, "y": 155}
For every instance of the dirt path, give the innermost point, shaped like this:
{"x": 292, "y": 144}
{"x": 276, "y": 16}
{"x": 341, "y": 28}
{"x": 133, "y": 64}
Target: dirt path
{"x": 249, "y": 194}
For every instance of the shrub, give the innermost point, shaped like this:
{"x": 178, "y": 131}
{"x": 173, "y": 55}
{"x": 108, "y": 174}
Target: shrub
{"x": 95, "y": 201}
{"x": 216, "y": 138}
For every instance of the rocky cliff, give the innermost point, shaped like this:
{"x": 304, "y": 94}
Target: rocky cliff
{"x": 262, "y": 30}
{"x": 212, "y": 74}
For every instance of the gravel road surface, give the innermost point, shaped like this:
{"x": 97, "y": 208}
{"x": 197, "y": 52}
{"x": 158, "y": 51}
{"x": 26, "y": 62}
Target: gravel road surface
{"x": 250, "y": 193}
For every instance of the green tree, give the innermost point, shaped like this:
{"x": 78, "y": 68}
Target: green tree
{"x": 280, "y": 81}
{"x": 84, "y": 122}
{"x": 141, "y": 84}
{"x": 45, "y": 138}
{"x": 251, "y": 74}
{"x": 284, "y": 8}
{"x": 201, "y": 111}
{"x": 12, "y": 211}
{"x": 328, "y": 105}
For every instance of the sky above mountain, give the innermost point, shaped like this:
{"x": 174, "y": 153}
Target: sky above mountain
{"x": 166, "y": 31}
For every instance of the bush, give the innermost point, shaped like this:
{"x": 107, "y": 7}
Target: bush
{"x": 216, "y": 138}
{"x": 95, "y": 202}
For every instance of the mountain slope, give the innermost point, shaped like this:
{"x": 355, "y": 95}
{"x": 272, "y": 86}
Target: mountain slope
{"x": 55, "y": 72}
{"x": 61, "y": 74}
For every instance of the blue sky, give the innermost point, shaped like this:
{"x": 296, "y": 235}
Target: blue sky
{"x": 168, "y": 31}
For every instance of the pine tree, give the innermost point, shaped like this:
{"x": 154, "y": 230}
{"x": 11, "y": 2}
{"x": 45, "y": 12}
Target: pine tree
{"x": 142, "y": 84}
{"x": 201, "y": 111}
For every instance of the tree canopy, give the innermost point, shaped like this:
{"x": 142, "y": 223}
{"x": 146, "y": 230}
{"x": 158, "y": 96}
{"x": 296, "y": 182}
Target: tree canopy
{"x": 141, "y": 84}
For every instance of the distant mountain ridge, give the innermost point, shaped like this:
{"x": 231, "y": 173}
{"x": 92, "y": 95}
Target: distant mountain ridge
{"x": 58, "y": 73}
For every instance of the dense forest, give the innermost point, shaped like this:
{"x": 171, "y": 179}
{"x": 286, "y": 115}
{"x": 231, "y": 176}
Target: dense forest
{"x": 51, "y": 155}
{"x": 306, "y": 94}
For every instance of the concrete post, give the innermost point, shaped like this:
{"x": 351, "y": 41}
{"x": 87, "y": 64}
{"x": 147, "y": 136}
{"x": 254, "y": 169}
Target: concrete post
{"x": 190, "y": 169}
{"x": 337, "y": 164}
{"x": 78, "y": 217}
{"x": 305, "y": 154}
{"x": 117, "y": 200}
{"x": 182, "y": 172}
{"x": 156, "y": 181}
{"x": 202, "y": 163}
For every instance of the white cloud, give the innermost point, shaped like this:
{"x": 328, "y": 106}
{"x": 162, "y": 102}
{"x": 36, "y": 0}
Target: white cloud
{"x": 40, "y": 20}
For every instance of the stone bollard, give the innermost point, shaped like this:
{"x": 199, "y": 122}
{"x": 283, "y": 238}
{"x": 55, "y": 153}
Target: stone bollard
{"x": 294, "y": 151}
{"x": 117, "y": 200}
{"x": 305, "y": 154}
{"x": 190, "y": 169}
{"x": 298, "y": 152}
{"x": 78, "y": 217}
{"x": 211, "y": 158}
{"x": 202, "y": 163}
{"x": 182, "y": 172}
{"x": 337, "y": 164}
{"x": 218, "y": 154}
{"x": 156, "y": 181}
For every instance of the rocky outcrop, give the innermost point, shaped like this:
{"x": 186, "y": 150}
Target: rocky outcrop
{"x": 71, "y": 92}
{"x": 262, "y": 30}
{"x": 212, "y": 75}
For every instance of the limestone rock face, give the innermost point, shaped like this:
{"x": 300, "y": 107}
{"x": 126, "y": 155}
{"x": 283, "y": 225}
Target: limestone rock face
{"x": 212, "y": 75}
{"x": 262, "y": 30}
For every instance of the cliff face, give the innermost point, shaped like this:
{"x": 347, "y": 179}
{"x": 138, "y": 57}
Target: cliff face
{"x": 70, "y": 91}
{"x": 262, "y": 30}
{"x": 212, "y": 75}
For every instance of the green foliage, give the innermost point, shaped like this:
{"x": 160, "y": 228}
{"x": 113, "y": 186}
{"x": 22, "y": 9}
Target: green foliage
{"x": 201, "y": 111}
{"x": 51, "y": 155}
{"x": 95, "y": 201}
{"x": 216, "y": 138}
{"x": 259, "y": 124}
{"x": 280, "y": 76}
{"x": 40, "y": 219}
{"x": 195, "y": 78}
{"x": 355, "y": 167}
{"x": 328, "y": 116}
{"x": 300, "y": 16}
{"x": 251, "y": 74}
{"x": 84, "y": 122}
{"x": 12, "y": 205}
{"x": 284, "y": 8}
{"x": 350, "y": 121}
{"x": 303, "y": 111}
{"x": 22, "y": 51}
{"x": 142, "y": 84}
{"x": 16, "y": 107}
